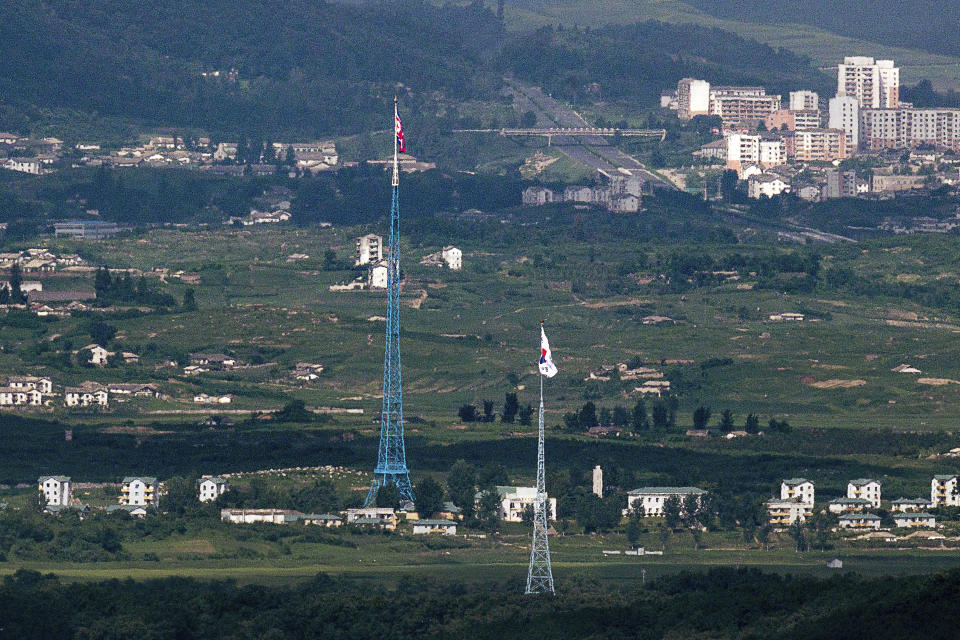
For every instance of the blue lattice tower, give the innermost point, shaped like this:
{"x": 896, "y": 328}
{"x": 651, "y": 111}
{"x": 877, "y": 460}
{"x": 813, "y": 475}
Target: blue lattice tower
{"x": 540, "y": 574}
{"x": 391, "y": 456}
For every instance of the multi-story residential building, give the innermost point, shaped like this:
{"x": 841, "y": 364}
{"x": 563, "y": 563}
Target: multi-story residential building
{"x": 515, "y": 500}
{"x": 43, "y": 385}
{"x": 913, "y": 520}
{"x": 845, "y": 115}
{"x": 846, "y": 505}
{"x": 744, "y": 150}
{"x": 766, "y": 185}
{"x": 783, "y": 513}
{"x": 799, "y": 489}
{"x": 17, "y": 397}
{"x": 652, "y": 499}
{"x": 818, "y": 145}
{"x": 693, "y": 98}
{"x": 840, "y": 184}
{"x": 369, "y": 250}
{"x": 139, "y": 491}
{"x": 866, "y": 489}
{"x": 89, "y": 394}
{"x": 453, "y": 257}
{"x": 859, "y": 521}
{"x": 880, "y": 183}
{"x": 792, "y": 120}
{"x": 943, "y": 491}
{"x": 905, "y": 128}
{"x": 210, "y": 489}
{"x": 377, "y": 275}
{"x": 742, "y": 104}
{"x": 875, "y": 84}
{"x": 537, "y": 196}
{"x": 804, "y": 101}
{"x": 910, "y": 504}
{"x": 56, "y": 490}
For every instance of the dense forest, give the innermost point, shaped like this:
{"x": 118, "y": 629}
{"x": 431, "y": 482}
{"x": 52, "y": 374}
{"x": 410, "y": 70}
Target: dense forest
{"x": 723, "y": 603}
{"x": 928, "y": 26}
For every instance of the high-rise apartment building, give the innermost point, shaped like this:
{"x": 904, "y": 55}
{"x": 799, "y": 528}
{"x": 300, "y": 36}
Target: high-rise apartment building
{"x": 804, "y": 100}
{"x": 819, "y": 145}
{"x": 693, "y": 98}
{"x": 742, "y": 104}
{"x": 845, "y": 115}
{"x": 874, "y": 83}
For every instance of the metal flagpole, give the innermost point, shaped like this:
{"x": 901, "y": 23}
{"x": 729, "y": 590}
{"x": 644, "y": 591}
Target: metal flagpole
{"x": 540, "y": 574}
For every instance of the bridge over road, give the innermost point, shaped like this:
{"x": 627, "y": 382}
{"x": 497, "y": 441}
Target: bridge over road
{"x": 572, "y": 132}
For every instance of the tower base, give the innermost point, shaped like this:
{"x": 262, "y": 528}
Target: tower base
{"x": 382, "y": 479}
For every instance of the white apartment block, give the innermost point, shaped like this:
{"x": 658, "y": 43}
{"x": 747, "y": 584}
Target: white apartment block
{"x": 905, "y": 128}
{"x": 453, "y": 257}
{"x": 742, "y": 104}
{"x": 859, "y": 521}
{"x": 914, "y": 520}
{"x": 210, "y": 489}
{"x": 819, "y": 145}
{"x": 875, "y": 84}
{"x": 943, "y": 491}
{"x": 744, "y": 150}
{"x": 369, "y": 250}
{"x": 783, "y": 513}
{"x": 652, "y": 499}
{"x": 797, "y": 489}
{"x": 56, "y": 490}
{"x": 139, "y": 491}
{"x": 845, "y": 115}
{"x": 804, "y": 101}
{"x": 865, "y": 488}
{"x": 693, "y": 98}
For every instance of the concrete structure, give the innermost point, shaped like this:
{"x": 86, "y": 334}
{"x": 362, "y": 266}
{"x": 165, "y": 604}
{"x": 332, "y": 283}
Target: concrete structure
{"x": 840, "y": 184}
{"x": 909, "y": 504}
{"x": 865, "y": 488}
{"x": 905, "y": 128}
{"x": 369, "y": 249}
{"x": 881, "y": 183}
{"x": 377, "y": 275}
{"x": 135, "y": 511}
{"x": 783, "y": 513}
{"x": 99, "y": 357}
{"x": 56, "y": 490}
{"x": 442, "y": 527}
{"x": 14, "y": 397}
{"x": 804, "y": 101}
{"x": 515, "y": 500}
{"x": 385, "y": 516}
{"x": 139, "y": 491}
{"x": 744, "y": 150}
{"x": 847, "y": 505}
{"x": 742, "y": 104}
{"x": 818, "y": 145}
{"x": 651, "y": 499}
{"x": 210, "y": 489}
{"x": 859, "y": 521}
{"x": 792, "y": 120}
{"x": 88, "y": 394}
{"x": 943, "y": 491}
{"x": 912, "y": 520}
{"x": 845, "y": 115}
{"x": 322, "y": 520}
{"x": 598, "y": 481}
{"x": 43, "y": 385}
{"x": 799, "y": 489}
{"x": 86, "y": 229}
{"x": 766, "y": 185}
{"x": 251, "y": 516}
{"x": 693, "y": 98}
{"x": 536, "y": 196}
{"x": 453, "y": 257}
{"x": 872, "y": 83}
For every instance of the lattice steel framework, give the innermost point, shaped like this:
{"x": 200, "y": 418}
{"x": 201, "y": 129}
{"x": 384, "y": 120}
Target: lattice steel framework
{"x": 392, "y": 457}
{"x": 540, "y": 574}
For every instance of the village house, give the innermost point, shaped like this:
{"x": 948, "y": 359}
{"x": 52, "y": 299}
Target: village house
{"x": 251, "y": 516}
{"x": 139, "y": 491}
{"x": 56, "y": 490}
{"x": 914, "y": 520}
{"x": 453, "y": 257}
{"x": 515, "y": 500}
{"x": 652, "y": 499}
{"x": 16, "y": 397}
{"x": 383, "y": 516}
{"x": 322, "y": 519}
{"x": 799, "y": 489}
{"x": 847, "y": 505}
{"x": 82, "y": 510}
{"x": 203, "y": 398}
{"x": 212, "y": 360}
{"x": 210, "y": 489}
{"x": 88, "y": 394}
{"x": 859, "y": 521}
{"x": 442, "y": 527}
{"x": 137, "y": 389}
{"x": 943, "y": 491}
{"x": 43, "y": 385}
{"x": 865, "y": 488}
{"x": 910, "y": 504}
{"x": 377, "y": 275}
{"x": 307, "y": 372}
{"x": 99, "y": 357}
{"x": 135, "y": 511}
{"x": 536, "y": 196}
{"x": 783, "y": 513}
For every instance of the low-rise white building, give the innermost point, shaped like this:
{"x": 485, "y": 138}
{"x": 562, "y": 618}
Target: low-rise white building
{"x": 136, "y": 511}
{"x": 859, "y": 521}
{"x": 251, "y": 516}
{"x": 377, "y": 275}
{"x": 652, "y": 499}
{"x": 766, "y": 185}
{"x": 17, "y": 397}
{"x": 910, "y": 504}
{"x": 453, "y": 257}
{"x": 322, "y": 519}
{"x": 846, "y": 505}
{"x": 783, "y": 513}
{"x": 385, "y": 516}
{"x": 943, "y": 491}
{"x": 210, "y": 489}
{"x": 139, "y": 491}
{"x": 88, "y": 394}
{"x": 799, "y": 489}
{"x": 43, "y": 385}
{"x": 866, "y": 488}
{"x": 912, "y": 520}
{"x": 56, "y": 490}
{"x": 443, "y": 527}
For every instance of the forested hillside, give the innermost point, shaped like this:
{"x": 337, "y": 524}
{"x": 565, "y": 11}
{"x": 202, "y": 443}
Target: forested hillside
{"x": 928, "y": 26}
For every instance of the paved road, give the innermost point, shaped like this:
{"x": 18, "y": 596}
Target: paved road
{"x": 594, "y": 152}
